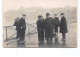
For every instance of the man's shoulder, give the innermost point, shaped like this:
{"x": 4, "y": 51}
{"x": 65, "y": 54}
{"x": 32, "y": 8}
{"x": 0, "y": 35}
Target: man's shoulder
{"x": 20, "y": 19}
{"x": 56, "y": 18}
{"x": 64, "y": 17}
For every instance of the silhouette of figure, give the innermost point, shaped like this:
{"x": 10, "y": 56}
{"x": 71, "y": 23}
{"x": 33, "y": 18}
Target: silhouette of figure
{"x": 63, "y": 27}
{"x": 56, "y": 25}
{"x": 40, "y": 28}
{"x": 48, "y": 24}
{"x": 22, "y": 24}
{"x": 16, "y": 23}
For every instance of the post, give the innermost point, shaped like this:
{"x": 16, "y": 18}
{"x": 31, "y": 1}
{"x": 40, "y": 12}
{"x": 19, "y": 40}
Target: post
{"x": 6, "y": 32}
{"x": 29, "y": 31}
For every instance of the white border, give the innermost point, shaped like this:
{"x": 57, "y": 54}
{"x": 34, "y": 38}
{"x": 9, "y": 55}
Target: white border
{"x": 40, "y": 52}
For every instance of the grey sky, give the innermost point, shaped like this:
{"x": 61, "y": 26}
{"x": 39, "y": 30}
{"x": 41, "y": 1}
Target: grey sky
{"x": 16, "y": 4}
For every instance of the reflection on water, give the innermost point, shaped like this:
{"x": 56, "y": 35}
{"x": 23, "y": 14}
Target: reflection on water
{"x": 71, "y": 38}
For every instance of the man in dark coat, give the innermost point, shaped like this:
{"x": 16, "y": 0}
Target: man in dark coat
{"x": 17, "y": 27}
{"x": 63, "y": 27}
{"x": 56, "y": 25}
{"x": 22, "y": 24}
{"x": 40, "y": 28}
{"x": 48, "y": 28}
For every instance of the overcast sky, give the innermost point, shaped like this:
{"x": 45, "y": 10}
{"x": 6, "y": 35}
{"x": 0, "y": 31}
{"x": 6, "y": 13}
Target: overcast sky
{"x": 16, "y": 4}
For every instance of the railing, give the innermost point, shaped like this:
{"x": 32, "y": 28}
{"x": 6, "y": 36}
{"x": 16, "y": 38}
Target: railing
{"x": 28, "y": 33}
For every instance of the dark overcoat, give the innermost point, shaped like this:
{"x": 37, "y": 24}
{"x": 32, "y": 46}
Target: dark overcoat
{"x": 16, "y": 23}
{"x": 22, "y": 24}
{"x": 48, "y": 28}
{"x": 18, "y": 29}
{"x": 63, "y": 25}
{"x": 56, "y": 23}
{"x": 40, "y": 28}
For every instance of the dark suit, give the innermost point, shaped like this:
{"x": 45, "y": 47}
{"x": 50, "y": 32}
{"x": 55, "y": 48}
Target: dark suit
{"x": 23, "y": 28}
{"x": 40, "y": 28}
{"x": 56, "y": 25}
{"x": 17, "y": 28}
{"x": 48, "y": 23}
{"x": 63, "y": 27}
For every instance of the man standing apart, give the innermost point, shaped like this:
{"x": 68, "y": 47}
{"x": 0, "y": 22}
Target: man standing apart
{"x": 63, "y": 27}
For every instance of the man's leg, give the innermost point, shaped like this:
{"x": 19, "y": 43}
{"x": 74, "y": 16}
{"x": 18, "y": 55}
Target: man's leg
{"x": 47, "y": 40}
{"x": 23, "y": 35}
{"x": 42, "y": 37}
{"x": 64, "y": 39}
{"x": 51, "y": 40}
{"x": 56, "y": 37}
{"x": 17, "y": 34}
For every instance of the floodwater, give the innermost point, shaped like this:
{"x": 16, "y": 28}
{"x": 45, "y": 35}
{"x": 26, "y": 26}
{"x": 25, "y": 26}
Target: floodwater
{"x": 32, "y": 40}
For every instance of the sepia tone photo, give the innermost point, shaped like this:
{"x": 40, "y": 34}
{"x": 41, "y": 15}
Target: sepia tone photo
{"x": 40, "y": 23}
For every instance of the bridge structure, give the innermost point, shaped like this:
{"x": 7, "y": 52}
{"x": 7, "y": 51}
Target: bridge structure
{"x": 9, "y": 35}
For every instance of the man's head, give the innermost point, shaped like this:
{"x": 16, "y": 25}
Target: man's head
{"x": 48, "y": 15}
{"x": 62, "y": 14}
{"x": 23, "y": 16}
{"x": 55, "y": 15}
{"x": 39, "y": 17}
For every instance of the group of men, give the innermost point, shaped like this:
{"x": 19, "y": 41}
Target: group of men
{"x": 20, "y": 28}
{"x": 48, "y": 28}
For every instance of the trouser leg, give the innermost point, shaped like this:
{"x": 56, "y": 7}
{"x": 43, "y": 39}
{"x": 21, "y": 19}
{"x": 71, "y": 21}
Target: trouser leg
{"x": 63, "y": 35}
{"x": 22, "y": 35}
{"x": 64, "y": 39}
{"x": 47, "y": 40}
{"x": 51, "y": 40}
{"x": 39, "y": 37}
{"x": 56, "y": 37}
{"x": 17, "y": 34}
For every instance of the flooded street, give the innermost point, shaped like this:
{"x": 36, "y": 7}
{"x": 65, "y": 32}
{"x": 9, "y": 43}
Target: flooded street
{"x": 32, "y": 40}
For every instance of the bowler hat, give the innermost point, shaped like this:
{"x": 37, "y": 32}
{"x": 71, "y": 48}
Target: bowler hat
{"x": 55, "y": 14}
{"x": 23, "y": 15}
{"x": 62, "y": 13}
{"x": 39, "y": 16}
{"x": 47, "y": 14}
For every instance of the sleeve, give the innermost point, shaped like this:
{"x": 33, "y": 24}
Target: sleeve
{"x": 44, "y": 24}
{"x": 24, "y": 25}
{"x": 63, "y": 22}
{"x": 58, "y": 21}
{"x": 20, "y": 23}
{"x": 15, "y": 23}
